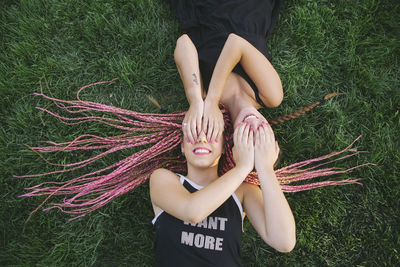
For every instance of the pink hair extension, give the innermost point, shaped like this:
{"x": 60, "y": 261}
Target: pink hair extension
{"x": 159, "y": 137}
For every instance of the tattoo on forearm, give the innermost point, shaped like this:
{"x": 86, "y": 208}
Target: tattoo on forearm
{"x": 195, "y": 79}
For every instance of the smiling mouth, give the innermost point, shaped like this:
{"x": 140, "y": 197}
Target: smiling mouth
{"x": 201, "y": 151}
{"x": 250, "y": 116}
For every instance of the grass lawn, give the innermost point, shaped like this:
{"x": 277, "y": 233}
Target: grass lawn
{"x": 318, "y": 47}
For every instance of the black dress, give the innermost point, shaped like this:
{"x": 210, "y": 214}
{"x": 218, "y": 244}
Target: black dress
{"x": 209, "y": 22}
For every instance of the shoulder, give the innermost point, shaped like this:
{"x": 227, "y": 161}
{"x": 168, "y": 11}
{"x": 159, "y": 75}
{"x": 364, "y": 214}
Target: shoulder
{"x": 163, "y": 176}
{"x": 162, "y": 172}
{"x": 162, "y": 183}
{"x": 246, "y": 189}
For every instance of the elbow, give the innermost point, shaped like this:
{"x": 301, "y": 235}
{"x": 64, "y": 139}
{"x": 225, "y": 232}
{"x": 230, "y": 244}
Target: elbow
{"x": 233, "y": 37}
{"x": 194, "y": 217}
{"x": 182, "y": 47}
{"x": 275, "y": 101}
{"x": 287, "y": 246}
{"x": 284, "y": 242}
{"x": 194, "y": 213}
{"x": 234, "y": 40}
{"x": 287, "y": 243}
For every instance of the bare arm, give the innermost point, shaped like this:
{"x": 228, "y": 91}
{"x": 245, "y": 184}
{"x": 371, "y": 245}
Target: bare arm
{"x": 187, "y": 62}
{"x": 268, "y": 209}
{"x": 256, "y": 65}
{"x": 168, "y": 194}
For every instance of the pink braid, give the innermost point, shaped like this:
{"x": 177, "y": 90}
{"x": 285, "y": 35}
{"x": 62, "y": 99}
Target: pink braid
{"x": 161, "y": 134}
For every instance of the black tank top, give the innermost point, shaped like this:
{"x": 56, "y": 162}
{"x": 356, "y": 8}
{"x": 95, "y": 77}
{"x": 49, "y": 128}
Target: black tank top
{"x": 215, "y": 241}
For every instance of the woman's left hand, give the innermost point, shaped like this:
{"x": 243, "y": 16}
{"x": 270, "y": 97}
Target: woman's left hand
{"x": 266, "y": 148}
{"x": 213, "y": 121}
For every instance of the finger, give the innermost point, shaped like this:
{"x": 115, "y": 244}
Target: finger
{"x": 241, "y": 132}
{"x": 219, "y": 134}
{"x": 210, "y": 129}
{"x": 235, "y": 134}
{"x": 257, "y": 136}
{"x": 221, "y": 129}
{"x": 214, "y": 135}
{"x": 186, "y": 132}
{"x": 198, "y": 126}
{"x": 246, "y": 134}
{"x": 262, "y": 134}
{"x": 251, "y": 138}
{"x": 193, "y": 131}
{"x": 205, "y": 124}
{"x": 269, "y": 132}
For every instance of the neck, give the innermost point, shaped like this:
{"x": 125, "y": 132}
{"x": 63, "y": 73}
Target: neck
{"x": 202, "y": 176}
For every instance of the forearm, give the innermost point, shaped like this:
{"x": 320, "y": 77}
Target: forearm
{"x": 280, "y": 224}
{"x": 186, "y": 59}
{"x": 203, "y": 202}
{"x": 230, "y": 55}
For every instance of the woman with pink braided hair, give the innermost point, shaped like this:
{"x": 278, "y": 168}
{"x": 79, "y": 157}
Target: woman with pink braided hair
{"x": 158, "y": 138}
{"x": 199, "y": 217}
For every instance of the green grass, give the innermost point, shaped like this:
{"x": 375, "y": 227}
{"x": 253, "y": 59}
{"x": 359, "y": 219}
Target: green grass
{"x": 318, "y": 47}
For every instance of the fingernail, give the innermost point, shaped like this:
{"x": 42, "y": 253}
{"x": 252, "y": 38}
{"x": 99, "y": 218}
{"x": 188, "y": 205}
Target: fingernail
{"x": 251, "y": 129}
{"x": 216, "y": 141}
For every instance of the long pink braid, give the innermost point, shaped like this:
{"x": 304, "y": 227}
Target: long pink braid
{"x": 161, "y": 135}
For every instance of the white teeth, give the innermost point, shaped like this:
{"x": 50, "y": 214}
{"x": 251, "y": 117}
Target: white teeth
{"x": 201, "y": 150}
{"x": 250, "y": 117}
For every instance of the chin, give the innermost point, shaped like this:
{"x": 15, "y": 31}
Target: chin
{"x": 203, "y": 163}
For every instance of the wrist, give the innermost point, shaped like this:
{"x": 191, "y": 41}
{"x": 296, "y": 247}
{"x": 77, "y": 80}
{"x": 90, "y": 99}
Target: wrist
{"x": 243, "y": 170}
{"x": 211, "y": 100}
{"x": 265, "y": 169}
{"x": 193, "y": 95}
{"x": 196, "y": 101}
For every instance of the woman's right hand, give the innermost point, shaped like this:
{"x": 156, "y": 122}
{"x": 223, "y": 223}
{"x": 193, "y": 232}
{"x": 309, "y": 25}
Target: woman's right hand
{"x": 267, "y": 149}
{"x": 192, "y": 122}
{"x": 213, "y": 120}
{"x": 243, "y": 149}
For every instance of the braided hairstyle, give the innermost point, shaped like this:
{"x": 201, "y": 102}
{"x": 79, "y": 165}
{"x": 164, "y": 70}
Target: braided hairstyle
{"x": 158, "y": 136}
